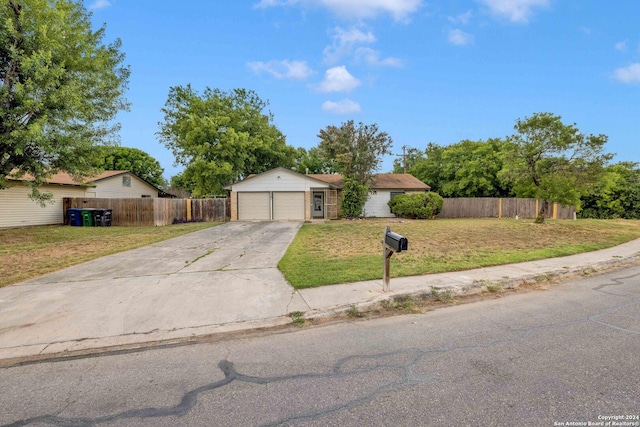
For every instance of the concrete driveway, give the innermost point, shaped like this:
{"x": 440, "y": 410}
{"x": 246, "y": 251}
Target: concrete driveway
{"x": 189, "y": 285}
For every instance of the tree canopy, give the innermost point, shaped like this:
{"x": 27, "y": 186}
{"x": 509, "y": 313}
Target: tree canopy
{"x": 221, "y": 137}
{"x": 356, "y": 150}
{"x": 465, "y": 169}
{"x": 312, "y": 161}
{"x": 357, "y": 153}
{"x": 134, "y": 160}
{"x": 552, "y": 161}
{"x": 616, "y": 194}
{"x": 60, "y": 89}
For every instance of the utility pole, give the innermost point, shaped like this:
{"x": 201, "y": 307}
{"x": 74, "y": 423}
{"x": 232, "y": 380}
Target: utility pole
{"x": 404, "y": 158}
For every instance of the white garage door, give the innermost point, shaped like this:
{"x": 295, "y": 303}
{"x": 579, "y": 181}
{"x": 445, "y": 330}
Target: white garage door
{"x": 288, "y": 205}
{"x": 254, "y": 206}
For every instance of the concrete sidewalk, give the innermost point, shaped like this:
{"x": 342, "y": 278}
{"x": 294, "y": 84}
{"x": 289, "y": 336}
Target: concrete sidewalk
{"x": 196, "y": 285}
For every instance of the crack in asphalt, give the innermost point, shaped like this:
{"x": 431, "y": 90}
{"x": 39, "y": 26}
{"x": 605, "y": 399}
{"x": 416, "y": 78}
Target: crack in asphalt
{"x": 614, "y": 310}
{"x": 616, "y": 281}
{"x": 401, "y": 362}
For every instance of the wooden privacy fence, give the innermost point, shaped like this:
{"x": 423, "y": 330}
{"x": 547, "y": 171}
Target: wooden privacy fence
{"x": 489, "y": 207}
{"x": 150, "y": 212}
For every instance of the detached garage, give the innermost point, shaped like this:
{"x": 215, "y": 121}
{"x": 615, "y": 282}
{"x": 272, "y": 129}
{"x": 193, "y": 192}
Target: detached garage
{"x": 281, "y": 194}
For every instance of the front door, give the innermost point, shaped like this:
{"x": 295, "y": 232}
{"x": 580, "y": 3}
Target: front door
{"x": 318, "y": 205}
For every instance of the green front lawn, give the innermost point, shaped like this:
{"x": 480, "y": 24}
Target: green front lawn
{"x": 349, "y": 251}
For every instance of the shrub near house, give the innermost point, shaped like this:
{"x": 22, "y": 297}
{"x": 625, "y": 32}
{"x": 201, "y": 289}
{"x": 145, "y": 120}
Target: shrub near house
{"x": 420, "y": 205}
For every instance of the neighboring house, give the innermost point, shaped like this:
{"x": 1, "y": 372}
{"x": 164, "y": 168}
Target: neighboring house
{"x": 281, "y": 194}
{"x": 17, "y": 209}
{"x": 121, "y": 185}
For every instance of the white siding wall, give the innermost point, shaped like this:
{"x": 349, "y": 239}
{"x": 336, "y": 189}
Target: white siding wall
{"x": 278, "y": 180}
{"x": 376, "y": 205}
{"x": 17, "y": 209}
{"x": 112, "y": 188}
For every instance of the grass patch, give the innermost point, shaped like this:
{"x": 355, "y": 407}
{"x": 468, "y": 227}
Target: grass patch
{"x": 353, "y": 312}
{"x": 441, "y": 296}
{"x": 350, "y": 251}
{"x": 33, "y": 251}
{"x": 401, "y": 305}
{"x": 494, "y": 287}
{"x": 297, "y": 318}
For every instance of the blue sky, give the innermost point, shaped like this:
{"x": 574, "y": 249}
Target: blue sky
{"x": 425, "y": 71}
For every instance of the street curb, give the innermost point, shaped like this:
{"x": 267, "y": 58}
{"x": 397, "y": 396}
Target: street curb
{"x": 163, "y": 339}
{"x": 477, "y": 287}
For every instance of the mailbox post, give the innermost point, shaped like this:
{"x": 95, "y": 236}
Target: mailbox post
{"x": 391, "y": 242}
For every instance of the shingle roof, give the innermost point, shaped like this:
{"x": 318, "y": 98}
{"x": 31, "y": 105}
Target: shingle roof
{"x": 280, "y": 168}
{"x": 60, "y": 178}
{"x": 390, "y": 181}
{"x": 63, "y": 178}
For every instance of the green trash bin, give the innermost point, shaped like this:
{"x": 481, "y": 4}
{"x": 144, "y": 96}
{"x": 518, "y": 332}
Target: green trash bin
{"x": 87, "y": 217}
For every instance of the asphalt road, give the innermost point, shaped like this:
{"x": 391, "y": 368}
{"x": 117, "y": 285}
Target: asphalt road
{"x": 568, "y": 355}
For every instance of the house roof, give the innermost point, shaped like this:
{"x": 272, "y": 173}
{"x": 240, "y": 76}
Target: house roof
{"x": 63, "y": 178}
{"x": 60, "y": 178}
{"x": 110, "y": 174}
{"x": 279, "y": 169}
{"x": 391, "y": 181}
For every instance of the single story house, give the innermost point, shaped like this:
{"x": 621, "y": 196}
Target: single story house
{"x": 282, "y": 194}
{"x": 17, "y": 209}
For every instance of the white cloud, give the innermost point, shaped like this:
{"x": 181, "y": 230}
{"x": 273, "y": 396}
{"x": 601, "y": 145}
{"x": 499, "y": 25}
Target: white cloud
{"x": 285, "y": 69}
{"x": 463, "y": 18}
{"x": 586, "y": 30}
{"x": 514, "y": 10}
{"x": 346, "y": 106}
{"x": 344, "y": 41}
{"x": 630, "y": 74}
{"x": 99, "y": 4}
{"x": 338, "y": 79}
{"x": 400, "y": 10}
{"x": 372, "y": 57}
{"x": 460, "y": 38}
{"x": 621, "y": 46}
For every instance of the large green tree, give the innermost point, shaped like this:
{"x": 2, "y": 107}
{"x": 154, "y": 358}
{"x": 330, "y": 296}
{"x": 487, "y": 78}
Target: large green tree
{"x": 134, "y": 160}
{"x": 221, "y": 137}
{"x": 430, "y": 168}
{"x": 552, "y": 161}
{"x": 356, "y": 150}
{"x": 60, "y": 89}
{"x": 357, "y": 153}
{"x": 470, "y": 169}
{"x": 465, "y": 169}
{"x": 616, "y": 194}
{"x": 312, "y": 161}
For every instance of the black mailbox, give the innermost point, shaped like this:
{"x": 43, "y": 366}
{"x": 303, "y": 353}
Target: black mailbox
{"x": 396, "y": 242}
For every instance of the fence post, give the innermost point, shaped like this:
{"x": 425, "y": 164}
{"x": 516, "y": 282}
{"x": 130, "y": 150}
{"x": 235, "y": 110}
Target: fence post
{"x": 188, "y": 209}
